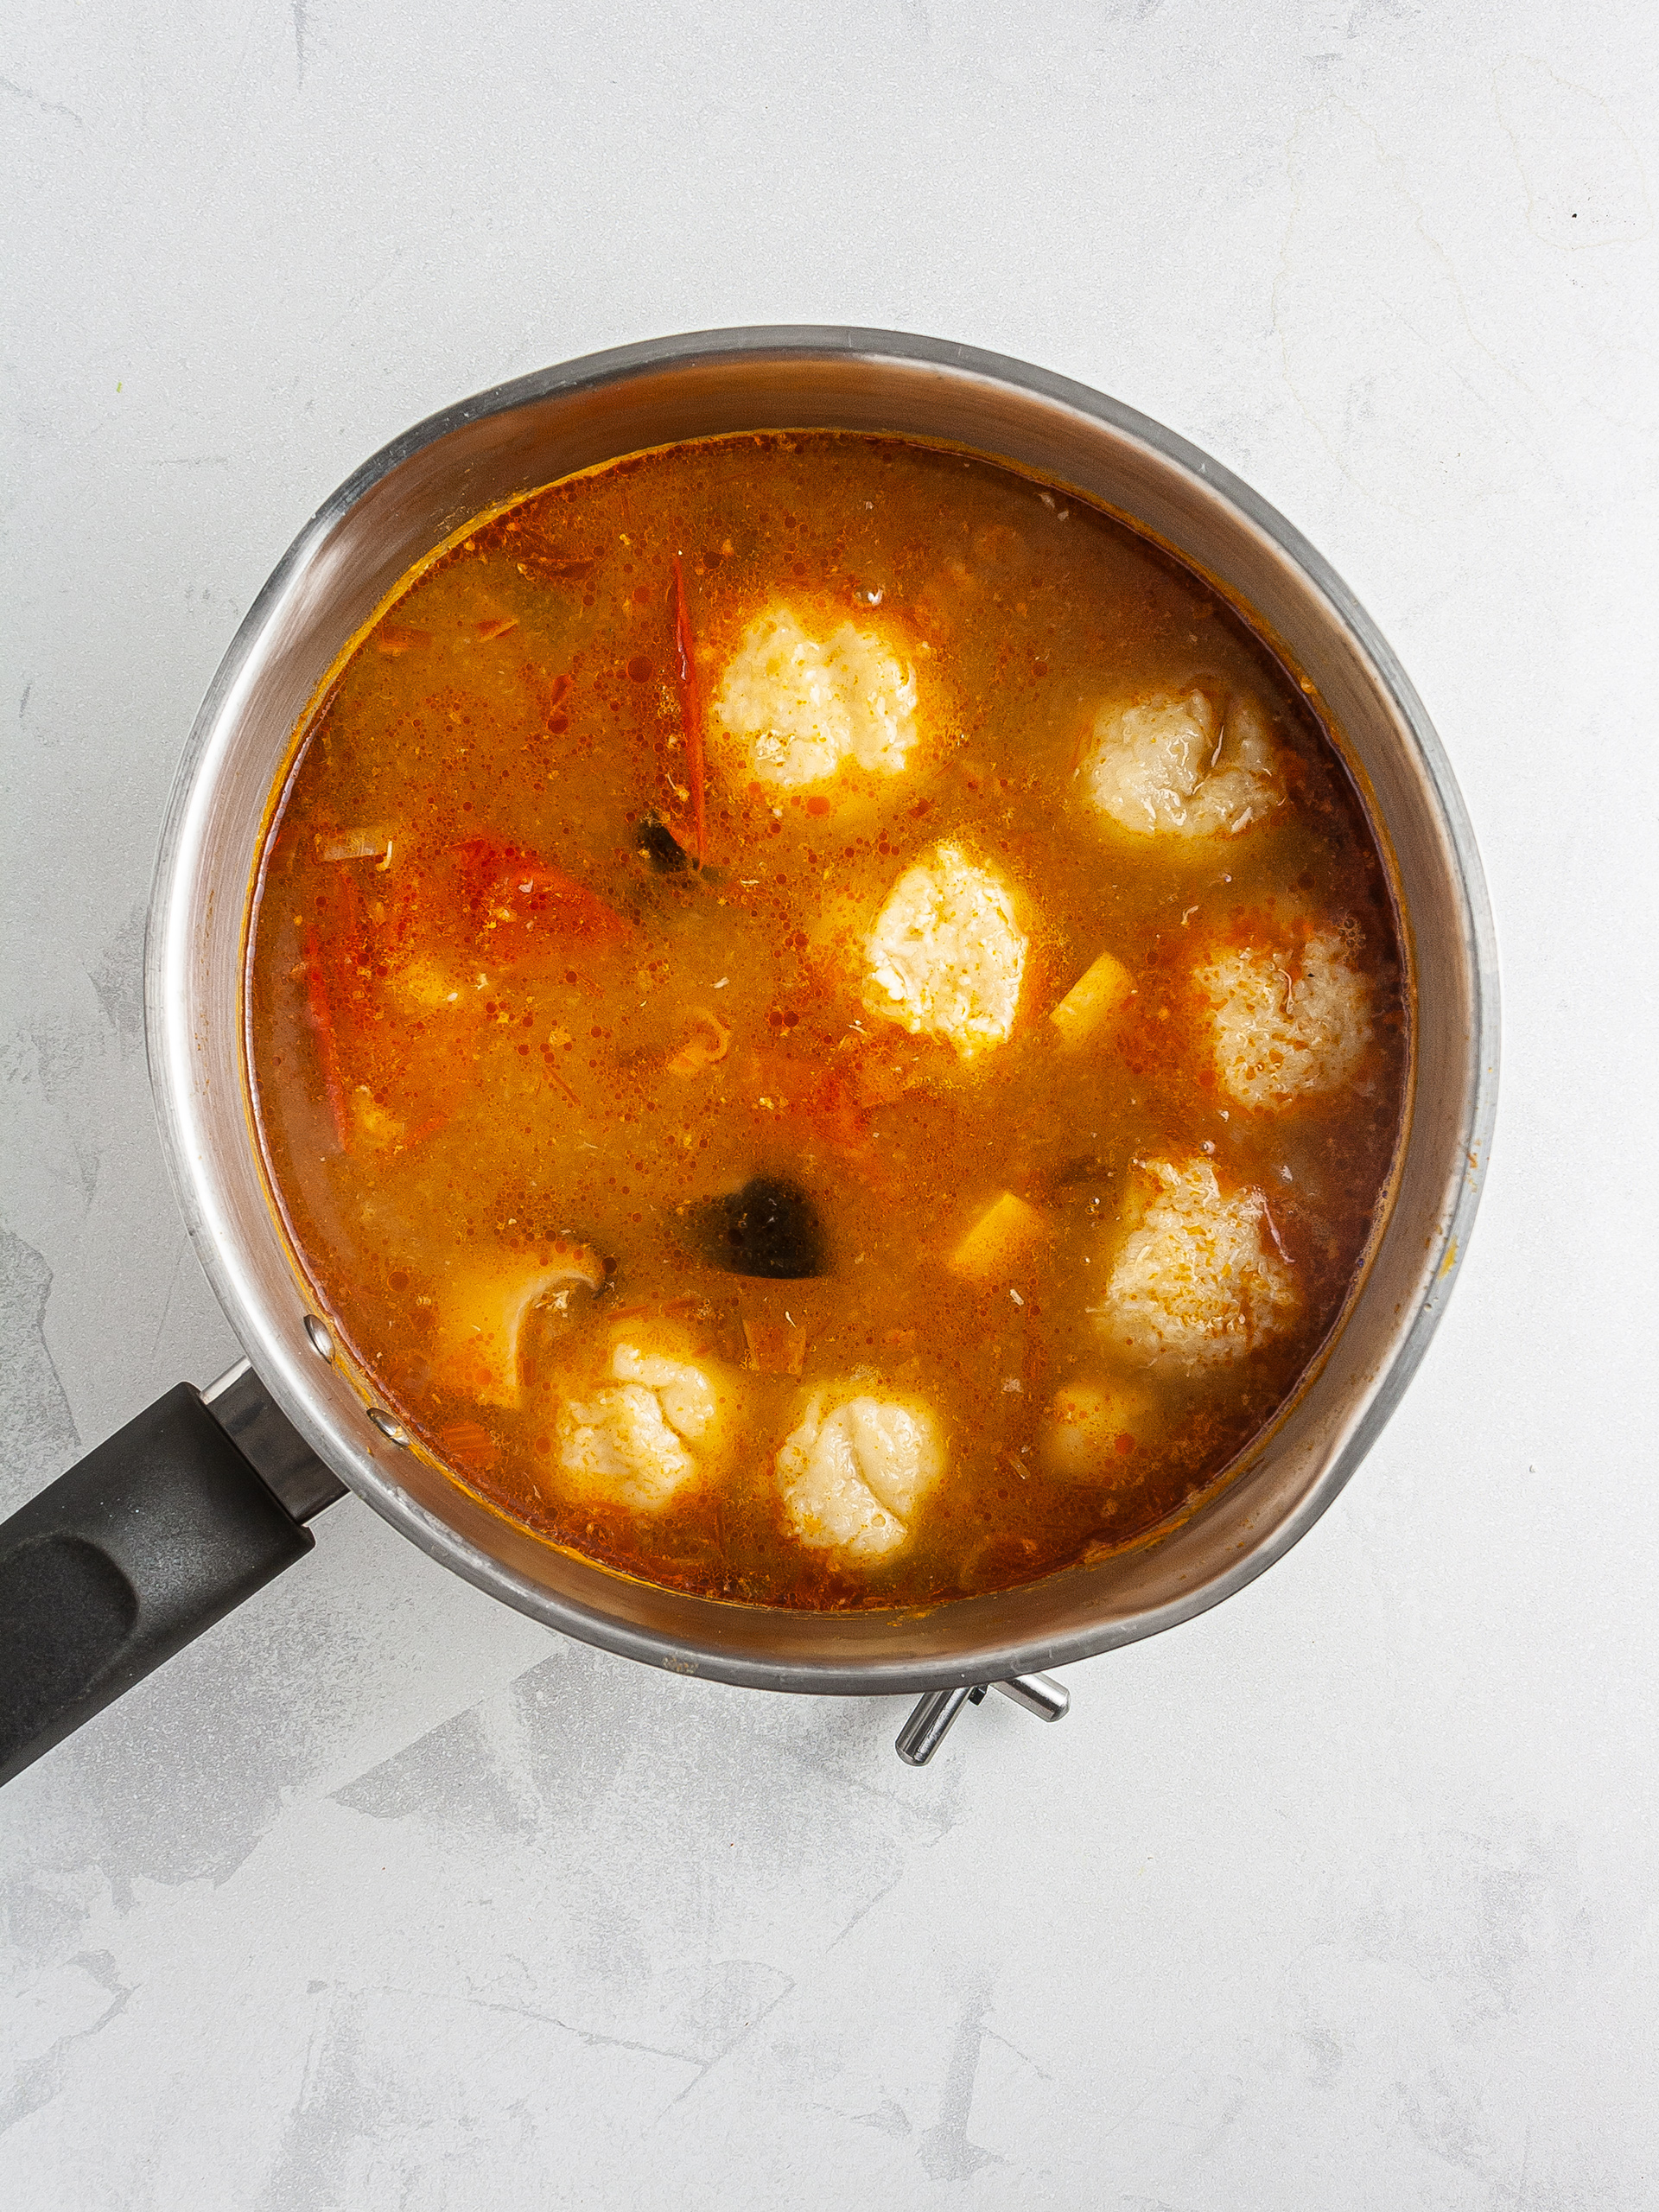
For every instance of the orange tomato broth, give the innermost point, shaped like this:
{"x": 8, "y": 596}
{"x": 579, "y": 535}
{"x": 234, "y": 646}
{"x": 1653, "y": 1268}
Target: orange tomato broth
{"x": 454, "y": 1076}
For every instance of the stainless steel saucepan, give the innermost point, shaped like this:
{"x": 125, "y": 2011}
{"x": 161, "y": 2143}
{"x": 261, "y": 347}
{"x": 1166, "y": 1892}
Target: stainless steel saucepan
{"x": 162, "y": 1528}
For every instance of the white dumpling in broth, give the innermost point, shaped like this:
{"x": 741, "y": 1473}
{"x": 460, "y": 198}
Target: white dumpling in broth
{"x": 1182, "y": 765}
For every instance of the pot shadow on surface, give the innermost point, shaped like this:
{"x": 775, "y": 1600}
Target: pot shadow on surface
{"x": 370, "y": 1676}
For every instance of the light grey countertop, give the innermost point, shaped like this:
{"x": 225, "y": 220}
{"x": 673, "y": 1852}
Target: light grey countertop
{"x": 382, "y": 1897}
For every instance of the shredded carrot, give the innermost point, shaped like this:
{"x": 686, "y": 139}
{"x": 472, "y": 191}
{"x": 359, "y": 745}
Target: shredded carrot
{"x": 323, "y": 1021}
{"x": 350, "y": 945}
{"x": 775, "y": 1347}
{"x": 691, "y": 717}
{"x": 470, "y": 1444}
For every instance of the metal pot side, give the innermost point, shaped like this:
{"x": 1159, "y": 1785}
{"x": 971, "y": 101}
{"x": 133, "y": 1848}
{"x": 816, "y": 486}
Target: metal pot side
{"x": 485, "y": 451}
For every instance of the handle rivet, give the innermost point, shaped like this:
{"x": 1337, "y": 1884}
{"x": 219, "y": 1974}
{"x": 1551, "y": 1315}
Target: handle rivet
{"x": 387, "y": 1426}
{"x": 322, "y": 1342}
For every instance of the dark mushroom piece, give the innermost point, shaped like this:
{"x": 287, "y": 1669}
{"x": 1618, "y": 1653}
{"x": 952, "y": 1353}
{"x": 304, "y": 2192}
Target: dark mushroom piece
{"x": 657, "y": 846}
{"x": 663, "y": 854}
{"x": 770, "y": 1228}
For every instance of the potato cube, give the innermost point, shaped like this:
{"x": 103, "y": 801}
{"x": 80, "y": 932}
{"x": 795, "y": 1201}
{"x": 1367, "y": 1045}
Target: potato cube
{"x": 1001, "y": 1241}
{"x": 1094, "y": 1431}
{"x": 1098, "y": 994}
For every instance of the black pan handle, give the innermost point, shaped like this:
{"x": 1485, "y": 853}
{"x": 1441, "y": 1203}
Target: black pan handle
{"x": 145, "y": 1542}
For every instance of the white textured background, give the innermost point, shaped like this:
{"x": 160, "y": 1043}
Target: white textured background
{"x": 382, "y": 1898}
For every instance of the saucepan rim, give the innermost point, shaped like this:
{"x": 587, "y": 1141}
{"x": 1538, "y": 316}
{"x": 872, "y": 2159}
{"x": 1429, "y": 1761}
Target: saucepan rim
{"x": 370, "y": 1472}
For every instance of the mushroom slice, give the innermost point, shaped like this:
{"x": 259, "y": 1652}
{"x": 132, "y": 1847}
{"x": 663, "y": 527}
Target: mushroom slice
{"x": 483, "y": 1315}
{"x": 710, "y": 1042}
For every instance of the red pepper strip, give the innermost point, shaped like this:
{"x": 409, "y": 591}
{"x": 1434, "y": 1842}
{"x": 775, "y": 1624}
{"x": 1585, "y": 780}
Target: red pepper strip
{"x": 323, "y": 1021}
{"x": 691, "y": 720}
{"x": 494, "y": 876}
{"x": 535, "y": 889}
